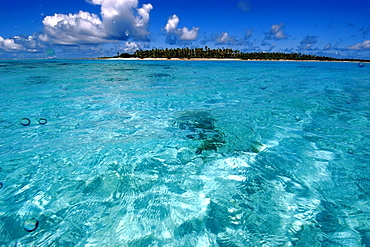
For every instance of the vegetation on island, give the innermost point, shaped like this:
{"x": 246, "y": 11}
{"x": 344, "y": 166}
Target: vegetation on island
{"x": 222, "y": 53}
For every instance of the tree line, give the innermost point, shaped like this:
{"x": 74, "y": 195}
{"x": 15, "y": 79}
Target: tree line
{"x": 222, "y": 53}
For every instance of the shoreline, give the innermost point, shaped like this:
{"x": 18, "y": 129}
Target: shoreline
{"x": 175, "y": 59}
{"x": 223, "y": 59}
{"x": 186, "y": 59}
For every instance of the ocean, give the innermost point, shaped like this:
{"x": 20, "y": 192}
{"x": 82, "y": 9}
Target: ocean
{"x": 184, "y": 153}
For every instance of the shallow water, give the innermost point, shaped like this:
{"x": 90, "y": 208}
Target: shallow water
{"x": 184, "y": 153}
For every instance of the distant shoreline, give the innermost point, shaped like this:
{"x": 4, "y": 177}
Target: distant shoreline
{"x": 177, "y": 59}
{"x": 226, "y": 59}
{"x": 207, "y": 54}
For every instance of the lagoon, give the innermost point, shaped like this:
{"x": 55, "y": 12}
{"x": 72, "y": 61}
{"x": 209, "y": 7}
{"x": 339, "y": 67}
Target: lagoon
{"x": 184, "y": 153}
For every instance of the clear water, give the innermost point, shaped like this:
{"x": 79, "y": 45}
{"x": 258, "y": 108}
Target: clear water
{"x": 184, "y": 153}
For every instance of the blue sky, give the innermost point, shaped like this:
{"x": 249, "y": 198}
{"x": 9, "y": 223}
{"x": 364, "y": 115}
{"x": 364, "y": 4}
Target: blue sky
{"x": 92, "y": 28}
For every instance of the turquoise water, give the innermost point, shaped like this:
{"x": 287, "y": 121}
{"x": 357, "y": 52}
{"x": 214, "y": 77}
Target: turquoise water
{"x": 184, "y": 153}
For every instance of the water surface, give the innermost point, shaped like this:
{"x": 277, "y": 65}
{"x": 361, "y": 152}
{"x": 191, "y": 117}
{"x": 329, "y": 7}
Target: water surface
{"x": 184, "y": 153}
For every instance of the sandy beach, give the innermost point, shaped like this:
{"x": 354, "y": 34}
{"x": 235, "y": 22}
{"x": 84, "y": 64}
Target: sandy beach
{"x": 177, "y": 59}
{"x": 222, "y": 59}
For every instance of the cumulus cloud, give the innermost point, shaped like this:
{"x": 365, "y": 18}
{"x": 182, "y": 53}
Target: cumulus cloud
{"x": 80, "y": 28}
{"x": 276, "y": 32}
{"x": 179, "y": 35}
{"x": 132, "y": 46}
{"x": 121, "y": 20}
{"x": 307, "y": 42}
{"x": 9, "y": 45}
{"x": 364, "y": 46}
{"x": 172, "y": 23}
{"x": 189, "y": 34}
{"x": 21, "y": 44}
{"x": 224, "y": 38}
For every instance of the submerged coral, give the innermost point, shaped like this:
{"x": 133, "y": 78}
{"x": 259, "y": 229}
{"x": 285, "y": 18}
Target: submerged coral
{"x": 201, "y": 126}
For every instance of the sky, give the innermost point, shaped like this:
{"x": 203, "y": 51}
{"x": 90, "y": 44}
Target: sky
{"x": 96, "y": 28}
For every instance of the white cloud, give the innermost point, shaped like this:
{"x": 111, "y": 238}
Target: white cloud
{"x": 172, "y": 23}
{"x": 177, "y": 35}
{"x": 80, "y": 28}
{"x": 9, "y": 45}
{"x": 20, "y": 44}
{"x": 131, "y": 46}
{"x": 276, "y": 32}
{"x": 121, "y": 20}
{"x": 225, "y": 39}
{"x": 189, "y": 34}
{"x": 360, "y": 46}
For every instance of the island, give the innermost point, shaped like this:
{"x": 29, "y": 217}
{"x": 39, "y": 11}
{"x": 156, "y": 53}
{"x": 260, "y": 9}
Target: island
{"x": 222, "y": 53}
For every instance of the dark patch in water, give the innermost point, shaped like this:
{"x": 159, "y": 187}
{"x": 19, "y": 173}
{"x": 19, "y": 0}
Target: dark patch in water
{"x": 129, "y": 69}
{"x": 201, "y": 126}
{"x": 189, "y": 227}
{"x": 160, "y": 65}
{"x": 34, "y": 80}
{"x": 213, "y": 101}
{"x": 117, "y": 79}
{"x": 124, "y": 69}
{"x": 306, "y": 66}
{"x": 160, "y": 75}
